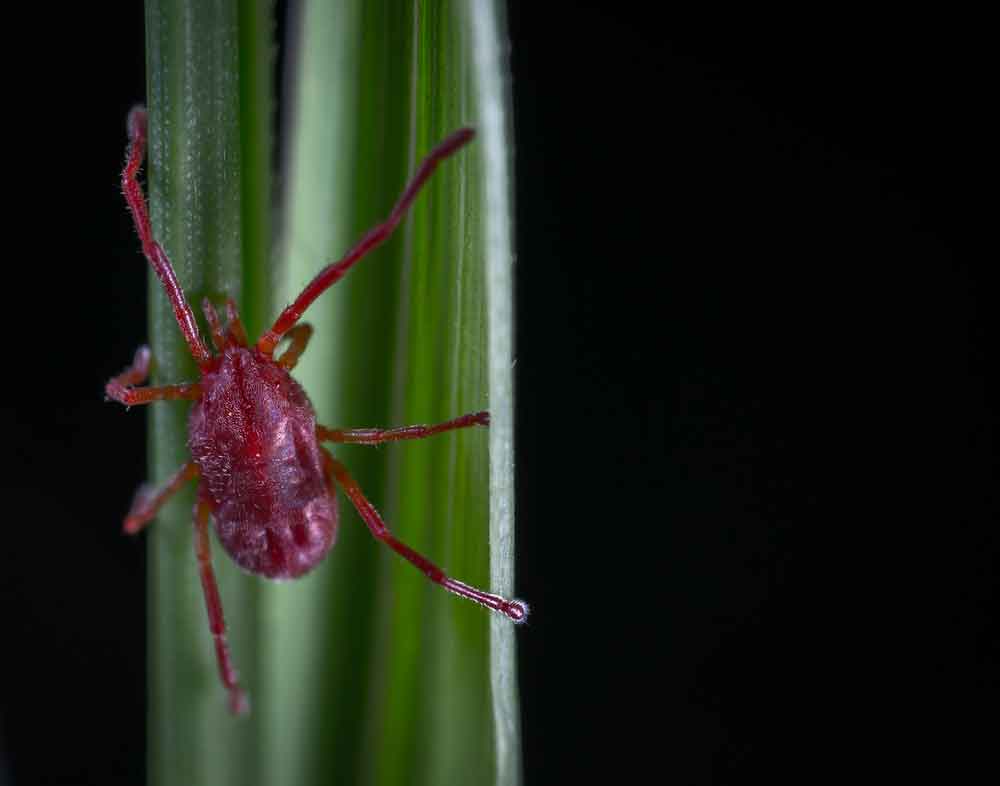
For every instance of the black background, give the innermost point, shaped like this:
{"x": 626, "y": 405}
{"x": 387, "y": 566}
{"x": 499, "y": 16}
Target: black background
{"x": 756, "y": 430}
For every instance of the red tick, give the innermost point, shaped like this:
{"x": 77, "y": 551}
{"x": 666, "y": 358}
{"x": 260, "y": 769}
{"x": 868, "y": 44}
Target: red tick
{"x": 255, "y": 445}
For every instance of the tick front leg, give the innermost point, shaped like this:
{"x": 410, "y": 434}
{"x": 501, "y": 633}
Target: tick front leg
{"x": 153, "y": 250}
{"x": 121, "y": 388}
{"x": 374, "y": 436}
{"x": 148, "y": 501}
{"x": 239, "y": 704}
{"x": 335, "y": 271}
{"x": 515, "y": 610}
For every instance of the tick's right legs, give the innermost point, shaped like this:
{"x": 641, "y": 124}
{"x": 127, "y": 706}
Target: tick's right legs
{"x": 515, "y": 610}
{"x": 298, "y": 337}
{"x": 378, "y": 436}
{"x": 238, "y": 702}
{"x": 335, "y": 271}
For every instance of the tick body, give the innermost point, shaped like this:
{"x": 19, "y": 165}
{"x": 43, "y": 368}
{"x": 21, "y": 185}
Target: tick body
{"x": 253, "y": 436}
{"x": 263, "y": 476}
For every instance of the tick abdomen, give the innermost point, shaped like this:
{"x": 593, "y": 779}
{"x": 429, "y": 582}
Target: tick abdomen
{"x": 253, "y": 436}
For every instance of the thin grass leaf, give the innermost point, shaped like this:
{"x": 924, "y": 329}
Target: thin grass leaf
{"x": 362, "y": 672}
{"x": 204, "y": 181}
{"x": 486, "y": 28}
{"x": 392, "y": 675}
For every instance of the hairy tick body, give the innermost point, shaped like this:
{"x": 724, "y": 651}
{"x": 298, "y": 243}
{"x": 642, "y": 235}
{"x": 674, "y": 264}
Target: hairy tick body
{"x": 263, "y": 476}
{"x": 253, "y": 436}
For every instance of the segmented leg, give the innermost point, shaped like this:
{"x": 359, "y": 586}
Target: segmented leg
{"x": 153, "y": 250}
{"x": 149, "y": 500}
{"x": 515, "y": 610}
{"x": 120, "y": 388}
{"x": 238, "y": 701}
{"x": 335, "y": 271}
{"x": 134, "y": 396}
{"x": 236, "y": 329}
{"x": 374, "y": 436}
{"x": 298, "y": 337}
{"x": 212, "y": 317}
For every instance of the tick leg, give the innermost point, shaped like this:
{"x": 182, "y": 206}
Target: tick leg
{"x": 238, "y": 702}
{"x": 131, "y": 397}
{"x": 153, "y": 250}
{"x": 335, "y": 271}
{"x": 149, "y": 500}
{"x": 138, "y": 371}
{"x": 374, "y": 436}
{"x": 298, "y": 337}
{"x": 120, "y": 388}
{"x": 515, "y": 610}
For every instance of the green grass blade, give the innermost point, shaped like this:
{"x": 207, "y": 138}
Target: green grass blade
{"x": 317, "y": 686}
{"x": 205, "y": 177}
{"x": 361, "y": 672}
{"x": 256, "y": 86}
{"x": 395, "y": 681}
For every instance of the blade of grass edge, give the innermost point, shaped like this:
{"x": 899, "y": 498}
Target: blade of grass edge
{"x": 438, "y": 728}
{"x": 492, "y": 77}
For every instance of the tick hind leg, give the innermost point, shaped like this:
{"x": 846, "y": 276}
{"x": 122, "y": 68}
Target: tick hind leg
{"x": 122, "y": 390}
{"x": 515, "y": 610}
{"x": 376, "y": 436}
{"x": 148, "y": 500}
{"x": 238, "y": 702}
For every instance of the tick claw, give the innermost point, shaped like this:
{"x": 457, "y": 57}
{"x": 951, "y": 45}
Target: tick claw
{"x": 517, "y": 611}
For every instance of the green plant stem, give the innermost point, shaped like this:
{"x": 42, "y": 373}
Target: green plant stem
{"x": 198, "y": 200}
{"x": 488, "y": 33}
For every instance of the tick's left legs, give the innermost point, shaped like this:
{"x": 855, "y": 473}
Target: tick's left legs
{"x": 150, "y": 247}
{"x": 515, "y": 610}
{"x": 375, "y": 436}
{"x": 238, "y": 702}
{"x": 148, "y": 500}
{"x": 121, "y": 388}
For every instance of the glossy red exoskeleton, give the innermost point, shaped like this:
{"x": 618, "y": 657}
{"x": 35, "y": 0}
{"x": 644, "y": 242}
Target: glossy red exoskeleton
{"x": 263, "y": 476}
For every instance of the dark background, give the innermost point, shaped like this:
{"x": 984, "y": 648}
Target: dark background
{"x": 758, "y": 517}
